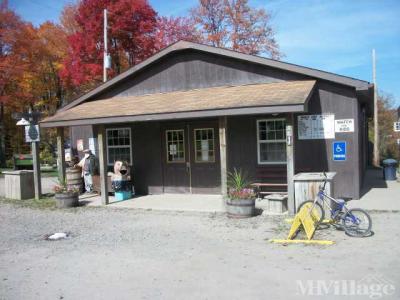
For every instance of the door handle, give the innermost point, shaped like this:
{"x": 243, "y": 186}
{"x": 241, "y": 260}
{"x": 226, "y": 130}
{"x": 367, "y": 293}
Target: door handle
{"x": 188, "y": 167}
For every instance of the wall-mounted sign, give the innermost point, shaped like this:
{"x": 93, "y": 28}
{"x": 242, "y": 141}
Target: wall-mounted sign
{"x": 344, "y": 125}
{"x": 311, "y": 127}
{"x": 396, "y": 126}
{"x": 339, "y": 151}
{"x": 32, "y": 133}
{"x": 79, "y": 145}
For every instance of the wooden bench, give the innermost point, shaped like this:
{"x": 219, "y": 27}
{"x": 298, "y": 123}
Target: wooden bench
{"x": 270, "y": 180}
{"x": 273, "y": 180}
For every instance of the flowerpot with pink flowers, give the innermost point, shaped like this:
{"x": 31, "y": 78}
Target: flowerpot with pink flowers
{"x": 241, "y": 199}
{"x": 66, "y": 196}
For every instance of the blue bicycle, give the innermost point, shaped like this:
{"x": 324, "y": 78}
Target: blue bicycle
{"x": 356, "y": 222}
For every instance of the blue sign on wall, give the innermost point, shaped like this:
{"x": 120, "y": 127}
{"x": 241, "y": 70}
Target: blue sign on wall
{"x": 339, "y": 151}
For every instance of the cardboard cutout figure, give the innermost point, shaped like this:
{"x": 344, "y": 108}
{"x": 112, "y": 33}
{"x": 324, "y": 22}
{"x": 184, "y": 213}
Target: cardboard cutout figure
{"x": 121, "y": 179}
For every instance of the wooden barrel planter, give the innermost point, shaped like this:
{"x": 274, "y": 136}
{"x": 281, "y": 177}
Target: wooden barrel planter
{"x": 67, "y": 199}
{"x": 74, "y": 179}
{"x": 240, "y": 208}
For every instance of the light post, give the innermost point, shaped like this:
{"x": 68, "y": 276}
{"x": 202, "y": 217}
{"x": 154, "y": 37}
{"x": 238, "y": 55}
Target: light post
{"x": 30, "y": 121}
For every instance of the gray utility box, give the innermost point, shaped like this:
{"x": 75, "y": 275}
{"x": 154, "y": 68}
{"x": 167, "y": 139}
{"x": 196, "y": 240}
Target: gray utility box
{"x": 306, "y": 186}
{"x": 19, "y": 184}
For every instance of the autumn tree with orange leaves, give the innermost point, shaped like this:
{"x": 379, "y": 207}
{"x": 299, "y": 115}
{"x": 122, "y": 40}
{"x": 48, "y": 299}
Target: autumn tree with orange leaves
{"x": 46, "y": 66}
{"x": 172, "y": 29}
{"x": 131, "y": 38}
{"x": 234, "y": 24}
{"x": 30, "y": 62}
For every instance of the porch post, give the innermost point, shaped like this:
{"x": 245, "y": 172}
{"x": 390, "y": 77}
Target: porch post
{"x": 101, "y": 137}
{"x": 60, "y": 154}
{"x": 222, "y": 154}
{"x": 290, "y": 163}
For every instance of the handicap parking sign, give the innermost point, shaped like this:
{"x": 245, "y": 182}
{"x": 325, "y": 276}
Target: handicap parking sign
{"x": 339, "y": 151}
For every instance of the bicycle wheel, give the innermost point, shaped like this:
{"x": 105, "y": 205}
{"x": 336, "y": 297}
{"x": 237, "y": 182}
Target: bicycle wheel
{"x": 357, "y": 223}
{"x": 319, "y": 211}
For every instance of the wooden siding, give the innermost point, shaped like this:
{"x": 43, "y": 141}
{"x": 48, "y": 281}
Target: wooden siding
{"x": 147, "y": 170}
{"x": 80, "y": 133}
{"x": 242, "y": 150}
{"x": 316, "y": 155}
{"x": 192, "y": 70}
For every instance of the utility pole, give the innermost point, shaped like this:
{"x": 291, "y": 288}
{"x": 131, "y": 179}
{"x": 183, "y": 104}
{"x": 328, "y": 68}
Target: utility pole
{"x": 105, "y": 57}
{"x": 376, "y": 130}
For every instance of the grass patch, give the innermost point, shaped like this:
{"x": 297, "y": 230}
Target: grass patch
{"x": 43, "y": 203}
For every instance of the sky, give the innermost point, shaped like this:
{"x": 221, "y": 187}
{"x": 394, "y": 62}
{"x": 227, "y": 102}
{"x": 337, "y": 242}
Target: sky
{"x": 332, "y": 35}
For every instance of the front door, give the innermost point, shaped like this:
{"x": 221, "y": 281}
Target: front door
{"x": 176, "y": 159}
{"x": 191, "y": 157}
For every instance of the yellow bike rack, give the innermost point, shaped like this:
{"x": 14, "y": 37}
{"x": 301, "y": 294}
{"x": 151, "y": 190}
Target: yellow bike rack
{"x": 306, "y": 219}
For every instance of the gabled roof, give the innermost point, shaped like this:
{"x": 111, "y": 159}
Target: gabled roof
{"x": 184, "y": 45}
{"x": 290, "y": 96}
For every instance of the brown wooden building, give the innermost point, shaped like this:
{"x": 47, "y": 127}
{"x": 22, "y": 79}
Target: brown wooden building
{"x": 189, "y": 113}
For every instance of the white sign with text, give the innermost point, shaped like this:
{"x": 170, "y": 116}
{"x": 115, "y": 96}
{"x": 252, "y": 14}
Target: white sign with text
{"x": 344, "y": 125}
{"x": 312, "y": 127}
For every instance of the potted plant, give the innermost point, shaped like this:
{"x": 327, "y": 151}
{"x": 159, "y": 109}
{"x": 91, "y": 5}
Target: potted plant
{"x": 65, "y": 196}
{"x": 241, "y": 198}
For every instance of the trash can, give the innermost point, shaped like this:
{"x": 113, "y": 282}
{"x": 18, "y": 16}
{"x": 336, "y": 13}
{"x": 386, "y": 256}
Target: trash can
{"x": 389, "y": 169}
{"x": 306, "y": 186}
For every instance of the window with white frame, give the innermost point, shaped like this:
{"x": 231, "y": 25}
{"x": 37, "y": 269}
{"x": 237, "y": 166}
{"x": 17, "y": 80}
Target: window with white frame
{"x": 204, "y": 145}
{"x": 119, "y": 146}
{"x": 175, "y": 142}
{"x": 271, "y": 141}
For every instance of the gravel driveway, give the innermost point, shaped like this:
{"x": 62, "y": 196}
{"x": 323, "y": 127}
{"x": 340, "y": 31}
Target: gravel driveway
{"x": 136, "y": 254}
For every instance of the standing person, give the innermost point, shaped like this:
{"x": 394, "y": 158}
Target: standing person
{"x": 87, "y": 164}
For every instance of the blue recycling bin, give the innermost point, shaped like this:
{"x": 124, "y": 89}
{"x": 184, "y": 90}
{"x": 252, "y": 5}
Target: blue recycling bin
{"x": 389, "y": 169}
